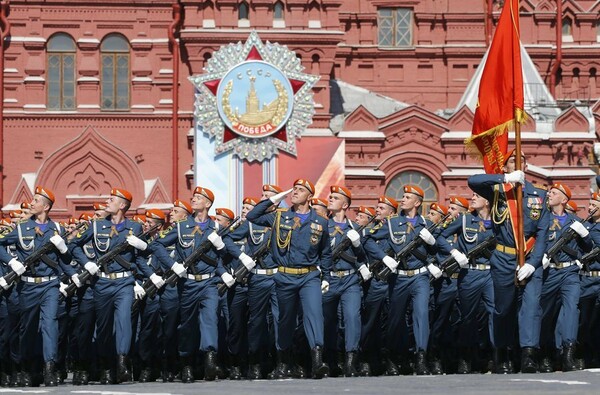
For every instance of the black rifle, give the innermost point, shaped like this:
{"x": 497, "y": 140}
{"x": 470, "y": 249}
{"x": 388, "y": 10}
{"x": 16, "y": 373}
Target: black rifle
{"x": 382, "y": 272}
{"x": 564, "y": 239}
{"x": 587, "y": 259}
{"x": 106, "y": 259}
{"x": 38, "y": 255}
{"x": 171, "y": 277}
{"x": 241, "y": 273}
{"x": 450, "y": 266}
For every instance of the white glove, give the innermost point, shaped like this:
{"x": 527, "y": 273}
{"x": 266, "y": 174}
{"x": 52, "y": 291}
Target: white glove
{"x": 545, "y": 261}
{"x": 525, "y": 271}
{"x": 228, "y": 279}
{"x": 136, "y": 242}
{"x": 216, "y": 240}
{"x": 75, "y": 279}
{"x": 247, "y": 261}
{"x": 324, "y": 286}
{"x": 390, "y": 262}
{"x": 354, "y": 237}
{"x": 179, "y": 269}
{"x": 16, "y": 266}
{"x": 434, "y": 270}
{"x": 516, "y": 176}
{"x": 579, "y": 264}
{"x": 62, "y": 288}
{"x": 138, "y": 291}
{"x": 91, "y": 267}
{"x": 157, "y": 280}
{"x": 427, "y": 236}
{"x": 3, "y": 283}
{"x": 580, "y": 229}
{"x": 59, "y": 243}
{"x": 460, "y": 258}
{"x": 276, "y": 199}
{"x": 365, "y": 273}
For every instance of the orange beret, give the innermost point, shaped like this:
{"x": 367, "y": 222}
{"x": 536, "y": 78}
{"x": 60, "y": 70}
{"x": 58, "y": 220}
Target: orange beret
{"x": 155, "y": 213}
{"x": 342, "y": 191}
{"x": 122, "y": 193}
{"x": 45, "y": 193}
{"x": 370, "y": 211}
{"x": 440, "y": 208}
{"x": 72, "y": 221}
{"x": 140, "y": 218}
{"x": 85, "y": 217}
{"x": 5, "y": 222}
{"x": 99, "y": 206}
{"x": 251, "y": 200}
{"x": 318, "y": 202}
{"x": 459, "y": 201}
{"x": 184, "y": 205}
{"x": 207, "y": 193}
{"x": 389, "y": 201}
{"x": 306, "y": 184}
{"x": 15, "y": 213}
{"x": 563, "y": 188}
{"x": 415, "y": 190}
{"x": 272, "y": 188}
{"x": 508, "y": 154}
{"x": 596, "y": 196}
{"x": 571, "y": 206}
{"x": 225, "y": 212}
{"x": 25, "y": 206}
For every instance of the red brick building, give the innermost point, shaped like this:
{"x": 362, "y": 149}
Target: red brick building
{"x": 89, "y": 91}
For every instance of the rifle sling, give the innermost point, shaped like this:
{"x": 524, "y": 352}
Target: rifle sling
{"x": 46, "y": 259}
{"x": 121, "y": 261}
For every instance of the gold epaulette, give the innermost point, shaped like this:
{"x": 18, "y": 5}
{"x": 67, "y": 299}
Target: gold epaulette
{"x": 541, "y": 186}
{"x": 165, "y": 231}
{"x": 376, "y": 227}
{"x": 282, "y": 209}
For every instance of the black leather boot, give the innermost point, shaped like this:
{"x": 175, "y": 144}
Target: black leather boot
{"x": 335, "y": 369}
{"x": 50, "y": 379}
{"x": 187, "y": 370}
{"x": 501, "y": 365}
{"x": 283, "y": 368}
{"x": 16, "y": 376}
{"x": 435, "y": 362}
{"x": 464, "y": 361}
{"x": 391, "y": 369}
{"x": 528, "y": 362}
{"x": 254, "y": 368}
{"x": 146, "y": 373}
{"x": 319, "y": 369}
{"x": 350, "y": 365}
{"x": 421, "y": 363}
{"x": 84, "y": 375}
{"x": 4, "y": 375}
{"x": 169, "y": 369}
{"x": 569, "y": 363}
{"x": 123, "y": 371}
{"x": 28, "y": 378}
{"x": 210, "y": 365}
{"x": 235, "y": 372}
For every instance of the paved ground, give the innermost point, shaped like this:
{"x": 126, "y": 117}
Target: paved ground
{"x": 585, "y": 382}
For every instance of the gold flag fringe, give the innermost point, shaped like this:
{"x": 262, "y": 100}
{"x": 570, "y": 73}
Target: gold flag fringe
{"x": 472, "y": 150}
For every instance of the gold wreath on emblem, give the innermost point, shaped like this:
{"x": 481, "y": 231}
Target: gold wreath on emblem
{"x": 272, "y": 113}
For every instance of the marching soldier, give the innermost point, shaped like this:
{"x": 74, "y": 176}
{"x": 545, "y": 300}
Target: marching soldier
{"x": 500, "y": 190}
{"x": 114, "y": 285}
{"x": 300, "y": 245}
{"x": 320, "y": 206}
{"x": 39, "y": 287}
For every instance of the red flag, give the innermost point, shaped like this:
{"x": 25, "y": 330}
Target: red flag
{"x": 500, "y": 100}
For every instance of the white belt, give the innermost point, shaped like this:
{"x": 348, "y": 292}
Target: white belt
{"x": 200, "y": 277}
{"x": 410, "y": 273}
{"x": 479, "y": 266}
{"x": 341, "y": 273}
{"x": 38, "y": 280}
{"x": 562, "y": 265}
{"x": 265, "y": 272}
{"x": 593, "y": 273}
{"x": 114, "y": 276}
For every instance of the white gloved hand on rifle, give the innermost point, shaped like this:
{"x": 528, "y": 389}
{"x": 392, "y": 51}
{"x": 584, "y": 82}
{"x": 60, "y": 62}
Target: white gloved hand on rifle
{"x": 138, "y": 291}
{"x": 157, "y": 280}
{"x": 59, "y": 243}
{"x": 16, "y": 266}
{"x": 216, "y": 241}
{"x": 460, "y": 258}
{"x": 91, "y": 267}
{"x": 247, "y": 261}
{"x": 365, "y": 273}
{"x": 354, "y": 237}
{"x": 228, "y": 279}
{"x": 390, "y": 262}
{"x": 580, "y": 229}
{"x": 137, "y": 243}
{"x": 179, "y": 269}
{"x": 434, "y": 270}
{"x": 427, "y": 236}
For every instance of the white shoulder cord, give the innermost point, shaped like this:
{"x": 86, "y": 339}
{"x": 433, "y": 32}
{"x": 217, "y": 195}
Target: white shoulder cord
{"x": 26, "y": 247}
{"x": 102, "y": 247}
{"x": 468, "y": 239}
{"x": 181, "y": 242}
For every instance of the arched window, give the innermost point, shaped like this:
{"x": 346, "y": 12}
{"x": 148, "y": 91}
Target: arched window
{"x": 411, "y": 177}
{"x": 61, "y": 72}
{"x": 567, "y": 27}
{"x": 115, "y": 72}
{"x": 278, "y": 11}
{"x": 243, "y": 11}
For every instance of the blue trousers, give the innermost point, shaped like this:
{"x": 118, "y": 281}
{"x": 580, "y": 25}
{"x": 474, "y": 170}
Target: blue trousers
{"x": 262, "y": 297}
{"x": 515, "y": 308}
{"x": 402, "y": 291}
{"x": 237, "y": 332}
{"x": 474, "y": 287}
{"x": 343, "y": 293}
{"x": 199, "y": 301}
{"x": 560, "y": 295}
{"x": 112, "y": 302}
{"x": 445, "y": 293}
{"x": 305, "y": 290}
{"x": 39, "y": 308}
{"x": 169, "y": 314}
{"x": 84, "y": 324}
{"x": 10, "y": 299}
{"x": 149, "y": 330}
{"x": 373, "y": 324}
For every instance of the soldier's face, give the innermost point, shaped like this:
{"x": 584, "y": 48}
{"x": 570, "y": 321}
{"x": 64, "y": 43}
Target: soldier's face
{"x": 100, "y": 214}
{"x": 511, "y": 165}
{"x": 177, "y": 214}
{"x": 39, "y": 204}
{"x": 246, "y": 208}
{"x": 594, "y": 205}
{"x": 322, "y": 211}
{"x": 150, "y": 222}
{"x": 114, "y": 204}
{"x": 384, "y": 210}
{"x": 223, "y": 221}
{"x": 409, "y": 201}
{"x": 337, "y": 202}
{"x": 434, "y": 216}
{"x": 556, "y": 198}
{"x": 455, "y": 210}
{"x": 362, "y": 219}
{"x": 300, "y": 195}
{"x": 477, "y": 202}
{"x": 200, "y": 202}
{"x": 267, "y": 194}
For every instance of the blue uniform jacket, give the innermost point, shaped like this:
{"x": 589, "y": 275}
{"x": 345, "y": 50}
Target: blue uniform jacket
{"x": 28, "y": 237}
{"x": 356, "y": 254}
{"x": 535, "y": 214}
{"x": 576, "y": 245}
{"x": 104, "y": 236}
{"x": 594, "y": 229}
{"x": 255, "y": 236}
{"x": 470, "y": 231}
{"x": 295, "y": 244}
